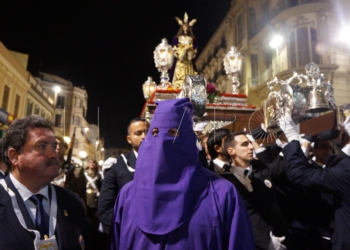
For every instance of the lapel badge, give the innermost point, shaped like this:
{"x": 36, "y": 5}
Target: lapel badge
{"x": 65, "y": 213}
{"x": 268, "y": 183}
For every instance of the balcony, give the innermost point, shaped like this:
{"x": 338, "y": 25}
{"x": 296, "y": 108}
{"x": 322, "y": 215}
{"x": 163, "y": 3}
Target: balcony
{"x": 253, "y": 81}
{"x": 285, "y": 4}
{"x": 266, "y": 76}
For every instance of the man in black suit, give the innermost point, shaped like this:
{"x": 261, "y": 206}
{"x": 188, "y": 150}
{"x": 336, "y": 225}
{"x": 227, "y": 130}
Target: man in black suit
{"x": 252, "y": 180}
{"x": 33, "y": 211}
{"x": 120, "y": 173}
{"x": 334, "y": 159}
{"x": 215, "y": 148}
{"x": 321, "y": 150}
{"x": 335, "y": 180}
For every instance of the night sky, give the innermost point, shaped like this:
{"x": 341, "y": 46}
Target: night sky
{"x": 105, "y": 46}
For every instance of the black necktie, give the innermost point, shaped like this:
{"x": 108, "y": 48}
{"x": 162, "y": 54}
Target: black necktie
{"x": 226, "y": 168}
{"x": 41, "y": 218}
{"x": 246, "y": 172}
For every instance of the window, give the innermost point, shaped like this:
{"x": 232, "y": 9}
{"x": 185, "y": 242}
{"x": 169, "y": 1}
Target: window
{"x": 60, "y": 102}
{"x": 29, "y": 108}
{"x": 254, "y": 68}
{"x": 314, "y": 41}
{"x": 78, "y": 102}
{"x": 76, "y": 144}
{"x": 76, "y": 120}
{"x": 252, "y": 22}
{"x": 17, "y": 102}
{"x": 5, "y": 97}
{"x": 58, "y": 118}
{"x": 240, "y": 30}
{"x": 302, "y": 47}
{"x": 43, "y": 113}
{"x": 36, "y": 110}
{"x": 292, "y": 50}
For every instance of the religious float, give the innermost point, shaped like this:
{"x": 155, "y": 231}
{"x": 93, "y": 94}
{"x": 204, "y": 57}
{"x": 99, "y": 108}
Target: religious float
{"x": 211, "y": 107}
{"x": 307, "y": 98}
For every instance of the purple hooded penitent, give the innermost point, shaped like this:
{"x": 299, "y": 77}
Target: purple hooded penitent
{"x": 173, "y": 202}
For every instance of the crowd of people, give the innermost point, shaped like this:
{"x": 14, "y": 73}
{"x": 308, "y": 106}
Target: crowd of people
{"x": 178, "y": 188}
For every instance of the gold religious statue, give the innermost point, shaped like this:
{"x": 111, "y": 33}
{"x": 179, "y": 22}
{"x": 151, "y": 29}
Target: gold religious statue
{"x": 185, "y": 50}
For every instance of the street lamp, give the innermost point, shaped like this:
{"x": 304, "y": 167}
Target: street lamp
{"x": 163, "y": 58}
{"x": 56, "y": 89}
{"x": 276, "y": 43}
{"x": 233, "y": 66}
{"x": 83, "y": 155}
{"x": 345, "y": 36}
{"x": 66, "y": 139}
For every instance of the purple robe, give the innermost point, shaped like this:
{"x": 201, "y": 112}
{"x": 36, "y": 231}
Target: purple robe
{"x": 173, "y": 202}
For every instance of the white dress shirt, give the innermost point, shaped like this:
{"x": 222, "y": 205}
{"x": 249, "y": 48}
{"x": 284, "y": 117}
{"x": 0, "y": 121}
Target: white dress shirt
{"x": 218, "y": 166}
{"x": 346, "y": 149}
{"x": 26, "y": 194}
{"x": 243, "y": 176}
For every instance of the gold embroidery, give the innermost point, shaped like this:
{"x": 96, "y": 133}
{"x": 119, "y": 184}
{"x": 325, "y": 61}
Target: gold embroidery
{"x": 47, "y": 246}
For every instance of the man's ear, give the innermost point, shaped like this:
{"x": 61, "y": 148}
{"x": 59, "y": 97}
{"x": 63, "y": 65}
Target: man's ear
{"x": 13, "y": 156}
{"x": 218, "y": 148}
{"x": 128, "y": 138}
{"x": 231, "y": 151}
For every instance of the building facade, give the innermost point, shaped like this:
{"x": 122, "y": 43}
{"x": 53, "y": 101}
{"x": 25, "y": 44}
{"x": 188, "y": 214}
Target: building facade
{"x": 20, "y": 93}
{"x": 308, "y": 31}
{"x": 69, "y": 116}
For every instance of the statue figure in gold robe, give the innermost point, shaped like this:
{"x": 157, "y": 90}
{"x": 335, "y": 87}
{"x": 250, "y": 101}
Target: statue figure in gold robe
{"x": 185, "y": 50}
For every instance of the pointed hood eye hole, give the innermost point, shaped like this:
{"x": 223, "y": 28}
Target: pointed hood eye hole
{"x": 155, "y": 132}
{"x": 173, "y": 132}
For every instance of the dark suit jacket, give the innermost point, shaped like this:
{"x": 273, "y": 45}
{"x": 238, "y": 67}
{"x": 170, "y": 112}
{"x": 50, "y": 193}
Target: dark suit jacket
{"x": 261, "y": 204}
{"x": 75, "y": 180}
{"x": 202, "y": 158}
{"x": 114, "y": 179}
{"x": 264, "y": 156}
{"x": 334, "y": 159}
{"x": 68, "y": 228}
{"x": 335, "y": 180}
{"x": 307, "y": 214}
